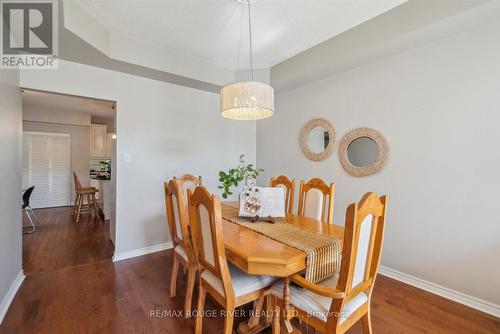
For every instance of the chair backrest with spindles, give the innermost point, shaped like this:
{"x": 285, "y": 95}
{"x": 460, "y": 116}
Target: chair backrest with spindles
{"x": 316, "y": 200}
{"x": 78, "y": 185}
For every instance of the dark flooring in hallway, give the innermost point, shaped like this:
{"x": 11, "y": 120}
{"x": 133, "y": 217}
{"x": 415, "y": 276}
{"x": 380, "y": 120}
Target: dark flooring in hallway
{"x": 61, "y": 243}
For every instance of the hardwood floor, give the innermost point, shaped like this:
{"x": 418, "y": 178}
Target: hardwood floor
{"x": 69, "y": 292}
{"x": 60, "y": 243}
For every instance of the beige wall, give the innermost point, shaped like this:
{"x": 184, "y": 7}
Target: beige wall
{"x": 80, "y": 146}
{"x": 438, "y": 107}
{"x": 163, "y": 130}
{"x": 10, "y": 187}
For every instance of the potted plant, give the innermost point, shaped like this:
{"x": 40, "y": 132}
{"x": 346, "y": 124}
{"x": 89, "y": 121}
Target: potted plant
{"x": 243, "y": 172}
{"x": 105, "y": 167}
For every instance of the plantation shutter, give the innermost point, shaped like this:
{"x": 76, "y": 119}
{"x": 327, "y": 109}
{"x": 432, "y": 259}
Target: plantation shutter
{"x": 46, "y": 165}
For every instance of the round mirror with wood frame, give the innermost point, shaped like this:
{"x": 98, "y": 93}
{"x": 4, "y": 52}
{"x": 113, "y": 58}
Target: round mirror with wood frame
{"x": 363, "y": 152}
{"x": 317, "y": 139}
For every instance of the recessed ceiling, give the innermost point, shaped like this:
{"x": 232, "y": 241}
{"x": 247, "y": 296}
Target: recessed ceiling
{"x": 210, "y": 29}
{"x": 100, "y": 108}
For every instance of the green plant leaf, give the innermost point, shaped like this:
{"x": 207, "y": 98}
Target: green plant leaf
{"x": 233, "y": 176}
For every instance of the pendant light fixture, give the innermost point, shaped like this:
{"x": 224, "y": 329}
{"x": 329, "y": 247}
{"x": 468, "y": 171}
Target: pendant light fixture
{"x": 247, "y": 100}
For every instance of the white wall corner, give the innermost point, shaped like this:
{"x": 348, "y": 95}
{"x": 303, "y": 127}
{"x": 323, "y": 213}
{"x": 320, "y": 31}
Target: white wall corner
{"x": 259, "y": 74}
{"x": 79, "y": 21}
{"x": 459, "y": 297}
{"x": 141, "y": 52}
{"x": 142, "y": 251}
{"x": 83, "y": 20}
{"x": 7, "y": 300}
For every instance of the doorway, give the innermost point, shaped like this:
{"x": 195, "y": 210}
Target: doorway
{"x": 63, "y": 136}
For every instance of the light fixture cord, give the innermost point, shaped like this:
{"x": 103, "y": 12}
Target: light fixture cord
{"x": 250, "y": 34}
{"x": 239, "y": 44}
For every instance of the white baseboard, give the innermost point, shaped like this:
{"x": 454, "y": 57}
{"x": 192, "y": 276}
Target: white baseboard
{"x": 142, "y": 251}
{"x": 459, "y": 297}
{"x": 7, "y": 300}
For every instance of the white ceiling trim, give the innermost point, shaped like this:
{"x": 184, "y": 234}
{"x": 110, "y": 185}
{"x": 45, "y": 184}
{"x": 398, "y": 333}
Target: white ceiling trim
{"x": 117, "y": 45}
{"x": 419, "y": 23}
{"x": 201, "y": 39}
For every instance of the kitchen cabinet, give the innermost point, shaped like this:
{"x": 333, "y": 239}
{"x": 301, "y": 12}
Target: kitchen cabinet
{"x": 109, "y": 145}
{"x": 96, "y": 184}
{"x": 104, "y": 196}
{"x": 98, "y": 140}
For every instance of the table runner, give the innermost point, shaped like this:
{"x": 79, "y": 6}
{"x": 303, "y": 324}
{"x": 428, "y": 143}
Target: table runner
{"x": 323, "y": 252}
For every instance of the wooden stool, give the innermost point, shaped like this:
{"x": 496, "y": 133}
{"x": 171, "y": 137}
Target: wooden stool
{"x": 89, "y": 194}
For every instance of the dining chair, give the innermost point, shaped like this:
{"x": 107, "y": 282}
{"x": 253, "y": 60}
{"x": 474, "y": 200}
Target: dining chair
{"x": 335, "y": 304}
{"x": 89, "y": 194}
{"x": 177, "y": 218}
{"x": 289, "y": 185}
{"x": 188, "y": 181}
{"x": 316, "y": 200}
{"x": 29, "y": 211}
{"x": 227, "y": 284}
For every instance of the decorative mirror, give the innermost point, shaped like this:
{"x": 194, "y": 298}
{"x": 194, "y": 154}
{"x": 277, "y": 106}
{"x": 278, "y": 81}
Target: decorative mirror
{"x": 317, "y": 139}
{"x": 363, "y": 152}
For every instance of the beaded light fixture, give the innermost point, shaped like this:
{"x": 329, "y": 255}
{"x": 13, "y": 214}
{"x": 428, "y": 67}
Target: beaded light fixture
{"x": 247, "y": 100}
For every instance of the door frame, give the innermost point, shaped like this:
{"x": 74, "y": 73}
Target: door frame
{"x": 54, "y": 134}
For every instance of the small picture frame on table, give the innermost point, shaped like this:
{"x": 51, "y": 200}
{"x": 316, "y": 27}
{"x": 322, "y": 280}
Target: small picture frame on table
{"x": 262, "y": 203}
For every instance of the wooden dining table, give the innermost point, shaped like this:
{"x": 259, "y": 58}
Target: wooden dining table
{"x": 257, "y": 254}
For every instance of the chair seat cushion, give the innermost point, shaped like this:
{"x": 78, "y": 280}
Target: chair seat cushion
{"x": 179, "y": 249}
{"x": 243, "y": 283}
{"x": 316, "y": 305}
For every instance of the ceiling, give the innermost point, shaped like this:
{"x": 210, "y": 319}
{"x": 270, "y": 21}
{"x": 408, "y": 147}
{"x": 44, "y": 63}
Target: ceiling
{"x": 99, "y": 108}
{"x": 210, "y": 29}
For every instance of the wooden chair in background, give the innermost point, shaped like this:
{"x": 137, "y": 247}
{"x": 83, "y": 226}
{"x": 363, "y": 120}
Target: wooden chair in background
{"x": 89, "y": 194}
{"x": 227, "y": 284}
{"x": 337, "y": 303}
{"x": 178, "y": 218}
{"x": 188, "y": 181}
{"x": 283, "y": 181}
{"x": 316, "y": 200}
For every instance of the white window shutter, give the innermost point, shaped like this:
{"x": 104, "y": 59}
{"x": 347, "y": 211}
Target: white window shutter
{"x": 46, "y": 165}
{"x": 40, "y": 171}
{"x": 60, "y": 171}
